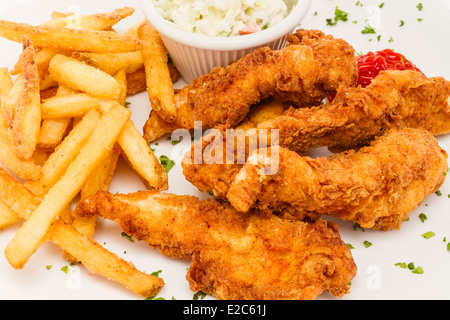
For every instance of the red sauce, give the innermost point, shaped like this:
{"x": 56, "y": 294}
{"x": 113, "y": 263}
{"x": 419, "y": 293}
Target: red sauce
{"x": 371, "y": 64}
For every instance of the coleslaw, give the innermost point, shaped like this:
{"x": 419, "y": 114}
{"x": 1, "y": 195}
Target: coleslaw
{"x": 224, "y": 18}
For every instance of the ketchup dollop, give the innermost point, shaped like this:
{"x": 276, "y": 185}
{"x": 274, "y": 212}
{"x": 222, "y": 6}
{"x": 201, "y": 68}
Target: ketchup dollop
{"x": 372, "y": 63}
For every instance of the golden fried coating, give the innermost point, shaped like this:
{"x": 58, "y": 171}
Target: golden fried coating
{"x": 234, "y": 255}
{"x": 304, "y": 73}
{"x": 376, "y": 187}
{"x": 394, "y": 99}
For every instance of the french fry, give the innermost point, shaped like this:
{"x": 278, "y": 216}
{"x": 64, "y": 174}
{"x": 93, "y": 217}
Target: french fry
{"x": 136, "y": 82}
{"x": 6, "y": 82}
{"x": 7, "y": 216}
{"x": 85, "y": 78}
{"x": 155, "y": 127}
{"x": 91, "y": 254}
{"x": 159, "y": 81}
{"x": 33, "y": 232}
{"x": 65, "y": 153}
{"x": 25, "y": 169}
{"x": 138, "y": 155}
{"x": 11, "y": 100}
{"x": 68, "y": 106}
{"x": 98, "y": 21}
{"x": 69, "y": 39}
{"x": 112, "y": 63}
{"x": 121, "y": 78}
{"x": 53, "y": 132}
{"x": 99, "y": 180}
{"x": 27, "y": 116}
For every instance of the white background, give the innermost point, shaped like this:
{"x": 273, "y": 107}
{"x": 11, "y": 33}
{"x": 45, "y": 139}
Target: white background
{"x": 426, "y": 43}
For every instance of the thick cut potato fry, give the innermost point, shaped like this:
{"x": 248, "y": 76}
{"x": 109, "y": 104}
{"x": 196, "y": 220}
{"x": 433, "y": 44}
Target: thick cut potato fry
{"x": 159, "y": 81}
{"x": 69, "y": 39}
{"x": 27, "y": 116}
{"x": 136, "y": 82}
{"x": 6, "y": 82}
{"x": 52, "y": 133}
{"x": 11, "y": 100}
{"x": 33, "y": 232}
{"x": 68, "y": 106}
{"x": 138, "y": 154}
{"x": 99, "y": 180}
{"x": 91, "y": 254}
{"x": 98, "y": 21}
{"x": 121, "y": 78}
{"x": 112, "y": 63}
{"x": 85, "y": 78}
{"x": 64, "y": 154}
{"x": 7, "y": 216}
{"x": 24, "y": 169}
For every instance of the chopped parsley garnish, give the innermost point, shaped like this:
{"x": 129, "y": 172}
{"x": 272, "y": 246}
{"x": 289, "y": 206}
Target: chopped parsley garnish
{"x": 166, "y": 163}
{"x": 428, "y": 235}
{"x": 127, "y": 236}
{"x": 65, "y": 269}
{"x": 381, "y": 5}
{"x": 410, "y": 266}
{"x": 156, "y": 273}
{"x": 367, "y": 244}
{"x": 350, "y": 246}
{"x": 339, "y": 15}
{"x": 199, "y": 295}
{"x": 359, "y": 4}
{"x": 422, "y": 217}
{"x": 420, "y": 6}
{"x": 402, "y": 23}
{"x": 48, "y": 267}
{"x": 368, "y": 29}
{"x": 127, "y": 104}
{"x": 439, "y": 193}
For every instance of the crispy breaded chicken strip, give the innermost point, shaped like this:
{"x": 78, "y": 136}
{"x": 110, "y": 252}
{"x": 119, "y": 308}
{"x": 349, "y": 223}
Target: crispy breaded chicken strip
{"x": 376, "y": 187}
{"x": 394, "y": 99}
{"x": 304, "y": 73}
{"x": 234, "y": 256}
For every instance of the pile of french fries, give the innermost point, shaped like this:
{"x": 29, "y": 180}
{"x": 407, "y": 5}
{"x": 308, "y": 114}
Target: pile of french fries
{"x": 63, "y": 126}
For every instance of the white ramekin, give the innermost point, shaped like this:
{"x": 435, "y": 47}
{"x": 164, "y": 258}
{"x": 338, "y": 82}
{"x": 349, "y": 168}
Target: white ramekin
{"x": 195, "y": 55}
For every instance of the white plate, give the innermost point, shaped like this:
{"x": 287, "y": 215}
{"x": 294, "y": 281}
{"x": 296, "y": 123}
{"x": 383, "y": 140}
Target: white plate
{"x": 424, "y": 42}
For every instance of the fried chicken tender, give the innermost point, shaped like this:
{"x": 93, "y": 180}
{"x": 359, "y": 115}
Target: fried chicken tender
{"x": 394, "y": 99}
{"x": 303, "y": 73}
{"x": 376, "y": 187}
{"x": 234, "y": 256}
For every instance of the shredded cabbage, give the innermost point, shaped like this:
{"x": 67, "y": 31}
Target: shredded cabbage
{"x": 223, "y": 18}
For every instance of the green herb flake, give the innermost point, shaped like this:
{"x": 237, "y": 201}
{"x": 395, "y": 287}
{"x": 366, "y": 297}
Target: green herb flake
{"x": 367, "y": 244}
{"x": 127, "y": 104}
{"x": 368, "y": 29}
{"x": 401, "y": 265}
{"x": 123, "y": 234}
{"x": 350, "y": 246}
{"x": 428, "y": 235}
{"x": 48, "y": 267}
{"x": 166, "y": 163}
{"x": 418, "y": 270}
{"x": 420, "y": 6}
{"x": 156, "y": 273}
{"x": 381, "y": 5}
{"x": 423, "y": 217}
{"x": 339, "y": 15}
{"x": 439, "y": 193}
{"x": 402, "y": 23}
{"x": 65, "y": 269}
{"x": 199, "y": 296}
